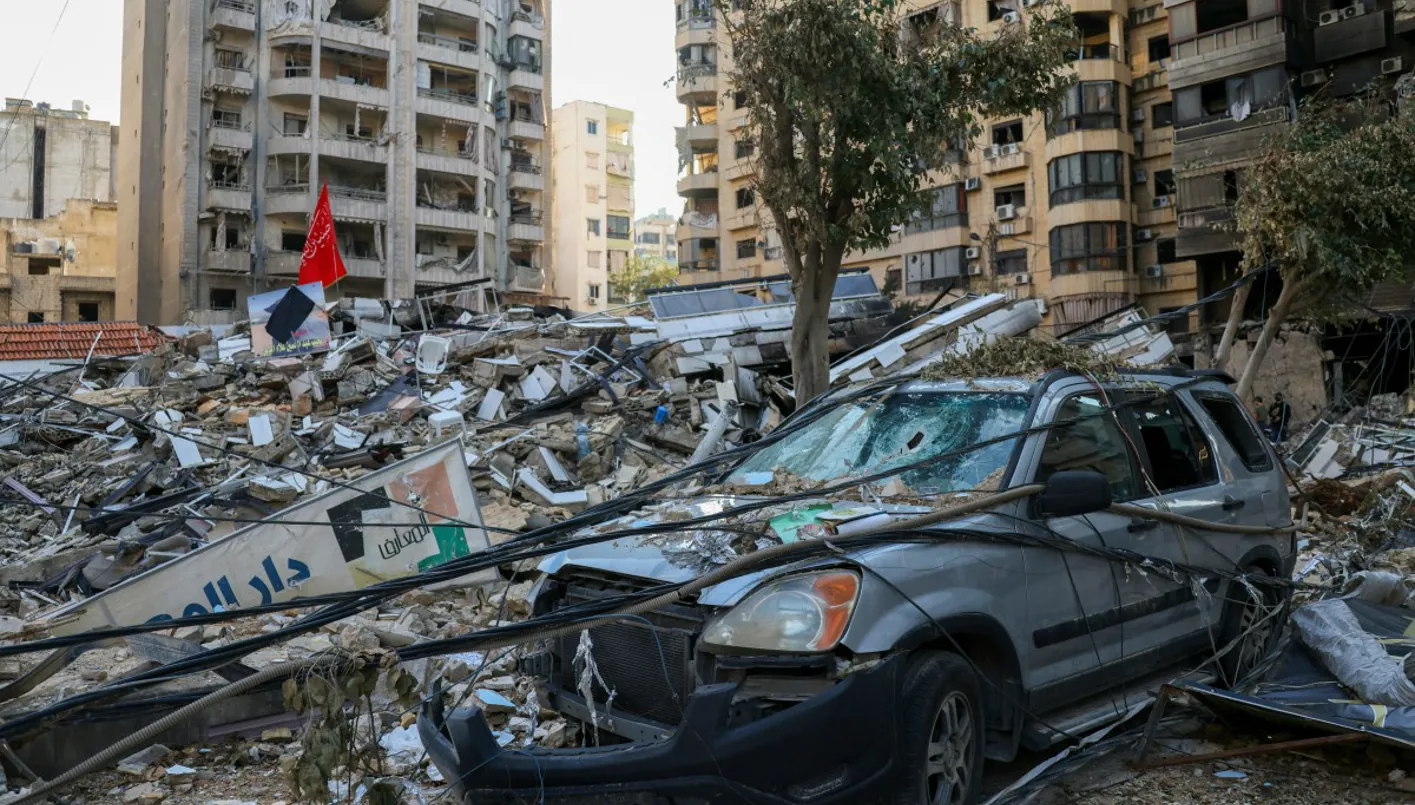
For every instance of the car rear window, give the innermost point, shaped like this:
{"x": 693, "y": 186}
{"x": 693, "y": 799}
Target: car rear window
{"x": 1238, "y": 428}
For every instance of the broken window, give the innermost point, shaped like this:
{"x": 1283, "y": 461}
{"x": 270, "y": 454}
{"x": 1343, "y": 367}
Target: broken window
{"x": 1015, "y": 195}
{"x": 39, "y": 266}
{"x": 295, "y": 125}
{"x": 88, "y": 311}
{"x": 1238, "y": 428}
{"x": 746, "y": 249}
{"x": 746, "y": 197}
{"x": 1211, "y": 15}
{"x": 1007, "y": 133}
{"x": 1011, "y": 262}
{"x": 34, "y": 317}
{"x": 1159, "y": 49}
{"x": 226, "y": 118}
{"x": 226, "y": 174}
{"x": 739, "y": 99}
{"x": 934, "y": 271}
{"x": 1234, "y": 97}
{"x": 1164, "y": 183}
{"x": 1088, "y": 175}
{"x": 947, "y": 207}
{"x": 1166, "y": 251}
{"x": 222, "y": 299}
{"x": 745, "y": 148}
{"x": 1087, "y": 105}
{"x": 897, "y": 430}
{"x": 231, "y": 59}
{"x": 1179, "y": 455}
{"x": 1086, "y": 437}
{"x": 1088, "y": 247}
{"x": 1162, "y": 115}
{"x": 291, "y": 241}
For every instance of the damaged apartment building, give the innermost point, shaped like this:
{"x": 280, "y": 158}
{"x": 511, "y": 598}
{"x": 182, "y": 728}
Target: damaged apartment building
{"x": 1117, "y": 198}
{"x": 426, "y": 120}
{"x": 58, "y": 219}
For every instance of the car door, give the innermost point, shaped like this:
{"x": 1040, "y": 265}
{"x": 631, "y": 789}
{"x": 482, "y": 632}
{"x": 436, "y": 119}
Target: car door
{"x": 1074, "y": 597}
{"x": 1168, "y": 616}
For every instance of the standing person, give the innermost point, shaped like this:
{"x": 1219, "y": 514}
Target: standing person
{"x": 1260, "y": 415}
{"x": 1279, "y": 417}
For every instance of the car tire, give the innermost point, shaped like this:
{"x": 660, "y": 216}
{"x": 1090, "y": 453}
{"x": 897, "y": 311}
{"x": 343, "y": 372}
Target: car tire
{"x": 1243, "y": 616}
{"x": 942, "y": 732}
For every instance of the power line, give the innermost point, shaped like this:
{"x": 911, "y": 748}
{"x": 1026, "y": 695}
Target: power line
{"x": 35, "y": 72}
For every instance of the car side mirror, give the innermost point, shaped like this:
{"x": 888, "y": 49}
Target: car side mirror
{"x": 1073, "y": 492}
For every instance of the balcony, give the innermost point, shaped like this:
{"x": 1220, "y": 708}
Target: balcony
{"x": 698, "y": 185}
{"x": 288, "y": 145}
{"x": 527, "y": 278}
{"x": 526, "y": 129}
{"x": 364, "y": 149}
{"x": 231, "y": 79}
{"x": 1224, "y": 124}
{"x": 465, "y": 8}
{"x": 236, "y": 15}
{"x": 1021, "y": 225}
{"x": 694, "y": 225}
{"x": 531, "y": 26}
{"x": 526, "y": 175}
{"x": 358, "y": 204}
{"x": 525, "y": 229}
{"x": 345, "y": 89}
{"x": 463, "y": 53}
{"x": 283, "y": 264}
{"x": 1153, "y": 80}
{"x": 744, "y": 219}
{"x": 364, "y": 267}
{"x": 356, "y": 35}
{"x": 691, "y": 266}
{"x": 229, "y": 136}
{"x": 523, "y": 77}
{"x": 1236, "y": 49}
{"x": 1003, "y": 158}
{"x": 696, "y": 80}
{"x": 450, "y": 219}
{"x": 228, "y": 262}
{"x": 449, "y": 104}
{"x": 454, "y": 162}
{"x": 1205, "y": 231}
{"x": 1156, "y": 211}
{"x": 1349, "y": 36}
{"x": 288, "y": 199}
{"x": 293, "y": 82}
{"x": 1104, "y": 52}
{"x": 234, "y": 196}
{"x": 697, "y": 29}
{"x": 703, "y": 135}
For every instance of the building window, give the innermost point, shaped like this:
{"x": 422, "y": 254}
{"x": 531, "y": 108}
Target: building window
{"x": 620, "y": 227}
{"x": 997, "y": 8}
{"x": 1015, "y": 195}
{"x": 1012, "y": 262}
{"x": 1088, "y": 247}
{"x": 226, "y": 118}
{"x": 38, "y": 267}
{"x": 591, "y": 194}
{"x": 1177, "y": 324}
{"x": 1164, "y": 183}
{"x": 745, "y": 148}
{"x": 947, "y": 207}
{"x": 592, "y": 127}
{"x": 592, "y": 259}
{"x": 1216, "y": 14}
{"x": 1162, "y": 115}
{"x": 594, "y": 290}
{"x": 88, "y": 311}
{"x": 222, "y": 299}
{"x": 231, "y": 59}
{"x": 292, "y": 241}
{"x": 592, "y": 160}
{"x": 295, "y": 125}
{"x": 593, "y": 225}
{"x": 746, "y": 197}
{"x": 1159, "y": 49}
{"x": 1165, "y": 251}
{"x": 1088, "y": 105}
{"x": 1089, "y": 175}
{"x": 1007, "y": 133}
{"x": 1233, "y": 97}
{"x": 650, "y": 238}
{"x": 746, "y": 249}
{"x": 34, "y": 317}
{"x": 934, "y": 271}
{"x": 739, "y": 99}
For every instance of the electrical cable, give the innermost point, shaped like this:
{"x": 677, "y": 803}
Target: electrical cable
{"x": 24, "y": 96}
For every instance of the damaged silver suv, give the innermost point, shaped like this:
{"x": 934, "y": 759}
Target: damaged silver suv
{"x": 887, "y": 667}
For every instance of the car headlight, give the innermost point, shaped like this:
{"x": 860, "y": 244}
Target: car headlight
{"x": 795, "y": 614}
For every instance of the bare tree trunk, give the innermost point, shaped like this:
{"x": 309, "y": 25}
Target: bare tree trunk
{"x": 810, "y": 328}
{"x": 1230, "y": 330}
{"x": 1290, "y": 289}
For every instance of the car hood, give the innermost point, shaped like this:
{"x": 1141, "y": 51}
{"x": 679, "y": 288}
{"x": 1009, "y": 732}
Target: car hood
{"x": 679, "y": 556}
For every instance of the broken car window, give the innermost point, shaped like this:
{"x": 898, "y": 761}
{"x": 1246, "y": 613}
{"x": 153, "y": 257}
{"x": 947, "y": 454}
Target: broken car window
{"x": 867, "y": 437}
{"x": 1179, "y": 455}
{"x": 1085, "y": 438}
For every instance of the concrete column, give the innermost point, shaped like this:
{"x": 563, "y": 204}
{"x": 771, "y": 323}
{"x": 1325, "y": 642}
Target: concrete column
{"x": 402, "y": 152}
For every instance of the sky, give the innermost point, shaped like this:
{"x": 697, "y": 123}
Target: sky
{"x": 621, "y": 59}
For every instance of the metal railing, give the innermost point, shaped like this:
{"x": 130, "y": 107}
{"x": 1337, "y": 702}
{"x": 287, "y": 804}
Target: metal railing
{"x": 524, "y": 166}
{"x": 358, "y": 193}
{"x": 771, "y": 253}
{"x": 226, "y": 123}
{"x": 1088, "y": 52}
{"x": 448, "y": 95}
{"x": 293, "y": 71}
{"x": 525, "y": 116}
{"x": 296, "y": 187}
{"x": 688, "y": 72}
{"x": 463, "y": 45}
{"x": 236, "y": 5}
{"x": 697, "y": 265}
{"x": 438, "y": 152}
{"x": 529, "y": 218}
{"x": 375, "y": 26}
{"x": 344, "y": 136}
{"x": 227, "y": 184}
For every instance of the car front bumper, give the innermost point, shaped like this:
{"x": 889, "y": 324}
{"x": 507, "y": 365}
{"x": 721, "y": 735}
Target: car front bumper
{"x": 839, "y": 746}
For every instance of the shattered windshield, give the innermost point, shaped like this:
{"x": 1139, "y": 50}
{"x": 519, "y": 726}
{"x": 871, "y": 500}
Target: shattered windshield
{"x": 903, "y": 428}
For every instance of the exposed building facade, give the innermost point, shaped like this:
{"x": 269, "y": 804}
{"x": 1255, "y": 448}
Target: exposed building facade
{"x": 425, "y": 119}
{"x": 594, "y": 199}
{"x": 58, "y": 219}
{"x": 656, "y": 237}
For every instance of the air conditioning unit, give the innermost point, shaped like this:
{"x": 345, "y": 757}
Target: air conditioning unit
{"x": 1141, "y": 176}
{"x": 1353, "y": 10}
{"x": 973, "y": 253}
{"x": 972, "y": 184}
{"x": 1144, "y": 235}
{"x": 1391, "y": 65}
{"x": 1139, "y": 135}
{"x": 1006, "y": 212}
{"x": 507, "y": 142}
{"x": 1312, "y": 78}
{"x": 975, "y": 270}
{"x": 1011, "y": 148}
{"x": 1160, "y": 202}
{"x": 1011, "y": 17}
{"x": 1155, "y": 271}
{"x": 992, "y": 151}
{"x": 1021, "y": 279}
{"x": 1137, "y": 115}
{"x": 1328, "y": 17}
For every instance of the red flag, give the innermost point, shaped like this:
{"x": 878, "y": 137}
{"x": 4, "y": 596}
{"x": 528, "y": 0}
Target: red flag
{"x": 321, "y": 261}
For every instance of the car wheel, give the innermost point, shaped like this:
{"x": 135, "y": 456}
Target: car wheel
{"x": 942, "y": 736}
{"x": 1249, "y": 621}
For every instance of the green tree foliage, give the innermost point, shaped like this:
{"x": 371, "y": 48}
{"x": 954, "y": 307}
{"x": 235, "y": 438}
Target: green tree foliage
{"x": 853, "y": 104}
{"x": 1330, "y": 201}
{"x": 641, "y": 274}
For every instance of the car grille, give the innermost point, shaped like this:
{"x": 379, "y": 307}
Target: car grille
{"x": 647, "y": 662}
